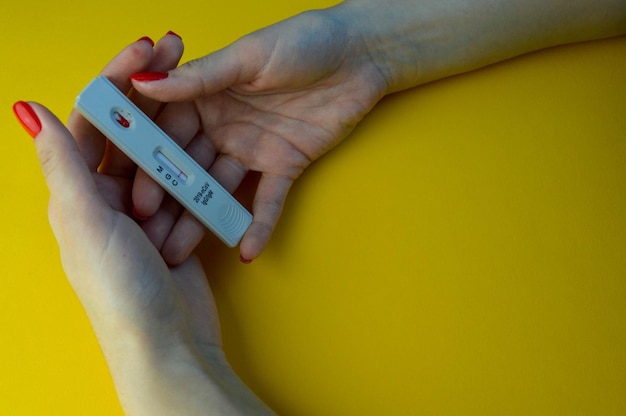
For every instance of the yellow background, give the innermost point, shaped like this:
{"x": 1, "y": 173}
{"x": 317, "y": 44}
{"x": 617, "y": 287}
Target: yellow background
{"x": 462, "y": 253}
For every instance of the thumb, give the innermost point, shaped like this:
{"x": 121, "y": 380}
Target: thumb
{"x": 74, "y": 196}
{"x": 239, "y": 63}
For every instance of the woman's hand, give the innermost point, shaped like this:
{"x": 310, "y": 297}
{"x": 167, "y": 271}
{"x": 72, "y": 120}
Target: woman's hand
{"x": 115, "y": 269}
{"x": 157, "y": 326}
{"x": 278, "y": 99}
{"x": 272, "y": 102}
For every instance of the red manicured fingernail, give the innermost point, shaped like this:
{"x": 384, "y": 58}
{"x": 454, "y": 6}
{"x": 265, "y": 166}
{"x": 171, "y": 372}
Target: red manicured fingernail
{"x": 174, "y": 34}
{"x": 147, "y": 39}
{"x": 244, "y": 260}
{"x": 149, "y": 76}
{"x": 27, "y": 118}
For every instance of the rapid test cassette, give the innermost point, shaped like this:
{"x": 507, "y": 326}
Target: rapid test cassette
{"x": 107, "y": 108}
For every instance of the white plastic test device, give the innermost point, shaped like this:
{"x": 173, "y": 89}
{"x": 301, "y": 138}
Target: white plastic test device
{"x": 109, "y": 110}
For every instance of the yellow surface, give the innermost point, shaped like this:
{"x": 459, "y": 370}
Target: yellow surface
{"x": 462, "y": 253}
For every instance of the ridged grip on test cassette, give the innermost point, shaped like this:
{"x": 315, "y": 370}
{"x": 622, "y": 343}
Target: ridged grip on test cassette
{"x": 233, "y": 221}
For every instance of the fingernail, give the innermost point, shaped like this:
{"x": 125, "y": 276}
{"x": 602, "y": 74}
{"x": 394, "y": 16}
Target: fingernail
{"x": 174, "y": 34}
{"x": 147, "y": 39}
{"x": 149, "y": 76}
{"x": 244, "y": 260}
{"x": 137, "y": 216}
{"x": 27, "y": 118}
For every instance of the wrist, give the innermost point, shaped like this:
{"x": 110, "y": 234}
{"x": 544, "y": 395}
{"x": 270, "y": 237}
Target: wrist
{"x": 390, "y": 37}
{"x": 166, "y": 375}
{"x": 418, "y": 41}
{"x": 413, "y": 42}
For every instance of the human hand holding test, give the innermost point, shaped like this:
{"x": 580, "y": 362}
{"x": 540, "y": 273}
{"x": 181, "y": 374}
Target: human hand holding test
{"x": 156, "y": 154}
{"x": 157, "y": 325}
{"x": 272, "y": 102}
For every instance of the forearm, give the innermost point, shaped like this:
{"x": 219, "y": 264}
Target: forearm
{"x": 417, "y": 41}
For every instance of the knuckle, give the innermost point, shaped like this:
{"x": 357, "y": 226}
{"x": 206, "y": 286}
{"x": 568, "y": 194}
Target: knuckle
{"x": 49, "y": 162}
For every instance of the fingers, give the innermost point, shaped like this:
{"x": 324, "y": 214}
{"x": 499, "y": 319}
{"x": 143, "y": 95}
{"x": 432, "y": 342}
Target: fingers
{"x": 175, "y": 236}
{"x": 267, "y": 207}
{"x": 186, "y": 233}
{"x": 236, "y": 64}
{"x": 159, "y": 226}
{"x": 166, "y": 55}
{"x": 135, "y": 57}
{"x": 243, "y": 146}
{"x": 183, "y": 239}
{"x": 75, "y": 203}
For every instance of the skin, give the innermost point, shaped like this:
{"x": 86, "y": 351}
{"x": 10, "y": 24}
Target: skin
{"x": 270, "y": 114}
{"x": 278, "y": 99}
{"x": 272, "y": 102}
{"x": 157, "y": 325}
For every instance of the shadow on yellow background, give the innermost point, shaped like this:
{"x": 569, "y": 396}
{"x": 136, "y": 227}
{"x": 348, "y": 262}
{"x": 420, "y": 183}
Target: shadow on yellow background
{"x": 462, "y": 253}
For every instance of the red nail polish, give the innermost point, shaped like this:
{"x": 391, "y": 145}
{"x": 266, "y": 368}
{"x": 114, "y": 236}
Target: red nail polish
{"x": 149, "y": 76}
{"x": 27, "y": 118}
{"x": 147, "y": 39}
{"x": 243, "y": 260}
{"x": 174, "y": 34}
